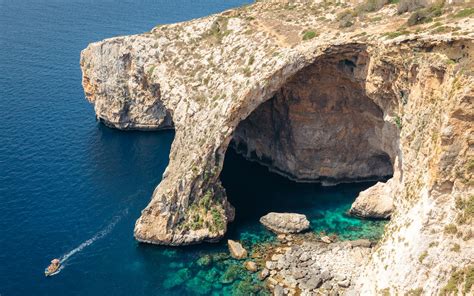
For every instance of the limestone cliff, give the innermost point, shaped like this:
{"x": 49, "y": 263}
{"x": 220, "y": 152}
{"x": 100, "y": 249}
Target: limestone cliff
{"x": 317, "y": 92}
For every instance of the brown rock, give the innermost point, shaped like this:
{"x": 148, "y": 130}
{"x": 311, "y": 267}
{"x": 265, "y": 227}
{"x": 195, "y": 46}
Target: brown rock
{"x": 236, "y": 250}
{"x": 250, "y": 266}
{"x": 285, "y": 222}
{"x": 326, "y": 239}
{"x": 375, "y": 202}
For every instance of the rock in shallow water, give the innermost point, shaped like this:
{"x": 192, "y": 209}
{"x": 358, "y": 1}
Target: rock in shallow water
{"x": 236, "y": 250}
{"x": 251, "y": 266}
{"x": 375, "y": 202}
{"x": 285, "y": 222}
{"x": 264, "y": 274}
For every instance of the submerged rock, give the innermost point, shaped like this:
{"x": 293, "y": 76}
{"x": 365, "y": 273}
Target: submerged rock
{"x": 205, "y": 260}
{"x": 250, "y": 266}
{"x": 177, "y": 278}
{"x": 198, "y": 285}
{"x": 236, "y": 249}
{"x": 232, "y": 273}
{"x": 285, "y": 222}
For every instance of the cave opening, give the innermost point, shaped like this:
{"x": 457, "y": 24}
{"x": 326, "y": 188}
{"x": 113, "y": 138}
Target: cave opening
{"x": 319, "y": 129}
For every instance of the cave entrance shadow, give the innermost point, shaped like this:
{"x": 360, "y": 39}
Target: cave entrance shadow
{"x": 321, "y": 126}
{"x": 255, "y": 191}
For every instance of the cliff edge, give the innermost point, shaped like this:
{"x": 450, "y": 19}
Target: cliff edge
{"x": 318, "y": 92}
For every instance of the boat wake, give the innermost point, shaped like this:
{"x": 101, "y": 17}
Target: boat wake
{"x": 102, "y": 233}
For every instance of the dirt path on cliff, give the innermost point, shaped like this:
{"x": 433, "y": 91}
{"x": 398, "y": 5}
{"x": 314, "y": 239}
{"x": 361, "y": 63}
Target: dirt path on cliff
{"x": 284, "y": 35}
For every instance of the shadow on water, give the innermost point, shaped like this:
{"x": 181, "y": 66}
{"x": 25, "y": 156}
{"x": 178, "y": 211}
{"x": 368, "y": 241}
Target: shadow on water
{"x": 254, "y": 192}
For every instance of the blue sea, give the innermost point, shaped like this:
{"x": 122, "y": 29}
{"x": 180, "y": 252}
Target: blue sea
{"x": 72, "y": 188}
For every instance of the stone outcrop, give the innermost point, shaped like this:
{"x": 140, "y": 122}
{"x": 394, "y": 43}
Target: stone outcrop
{"x": 375, "y": 202}
{"x": 405, "y": 93}
{"x": 314, "y": 268}
{"x": 302, "y": 131}
{"x": 250, "y": 266}
{"x": 236, "y": 250}
{"x": 285, "y": 222}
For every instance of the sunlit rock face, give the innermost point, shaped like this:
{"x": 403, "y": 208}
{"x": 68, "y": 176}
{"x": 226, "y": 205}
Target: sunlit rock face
{"x": 325, "y": 108}
{"x": 320, "y": 126}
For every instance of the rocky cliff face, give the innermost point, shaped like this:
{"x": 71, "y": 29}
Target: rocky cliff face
{"x": 315, "y": 97}
{"x": 321, "y": 126}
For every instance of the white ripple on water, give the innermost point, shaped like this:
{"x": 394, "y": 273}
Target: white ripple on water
{"x": 102, "y": 233}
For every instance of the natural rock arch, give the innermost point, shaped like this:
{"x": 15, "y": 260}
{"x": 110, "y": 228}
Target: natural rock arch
{"x": 321, "y": 126}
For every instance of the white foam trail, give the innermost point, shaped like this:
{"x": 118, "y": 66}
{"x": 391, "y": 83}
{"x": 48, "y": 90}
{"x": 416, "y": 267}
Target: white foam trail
{"x": 96, "y": 237}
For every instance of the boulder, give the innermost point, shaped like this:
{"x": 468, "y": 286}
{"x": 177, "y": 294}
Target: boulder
{"x": 312, "y": 283}
{"x": 326, "y": 275}
{"x": 236, "y": 250}
{"x": 285, "y": 222}
{"x": 250, "y": 266}
{"x": 263, "y": 274}
{"x": 344, "y": 283}
{"x": 374, "y": 202}
{"x": 326, "y": 239}
{"x": 278, "y": 291}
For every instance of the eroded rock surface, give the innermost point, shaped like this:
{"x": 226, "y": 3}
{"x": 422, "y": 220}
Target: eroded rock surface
{"x": 236, "y": 250}
{"x": 374, "y": 202}
{"x": 303, "y": 131}
{"x": 406, "y": 95}
{"x": 285, "y": 222}
{"x": 314, "y": 268}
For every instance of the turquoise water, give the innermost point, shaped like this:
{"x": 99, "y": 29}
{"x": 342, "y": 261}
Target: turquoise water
{"x": 72, "y": 188}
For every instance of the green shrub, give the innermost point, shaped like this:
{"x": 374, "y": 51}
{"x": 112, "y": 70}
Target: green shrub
{"x": 391, "y": 35}
{"x": 251, "y": 60}
{"x": 217, "y": 218}
{"x": 371, "y": 5}
{"x": 422, "y": 256}
{"x": 410, "y": 5}
{"x": 425, "y": 15}
{"x": 469, "y": 207}
{"x": 450, "y": 229}
{"x": 397, "y": 119}
{"x": 247, "y": 71}
{"x": 307, "y": 35}
{"x": 205, "y": 201}
{"x": 415, "y": 292}
{"x": 465, "y": 12}
{"x": 456, "y": 248}
{"x": 218, "y": 29}
{"x": 456, "y": 281}
{"x": 346, "y": 18}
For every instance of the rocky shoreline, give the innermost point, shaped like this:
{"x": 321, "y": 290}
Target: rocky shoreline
{"x": 308, "y": 264}
{"x": 316, "y": 267}
{"x": 317, "y": 91}
{"x": 304, "y": 263}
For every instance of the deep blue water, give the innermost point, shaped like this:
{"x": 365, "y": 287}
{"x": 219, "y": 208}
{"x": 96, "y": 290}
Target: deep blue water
{"x": 67, "y": 181}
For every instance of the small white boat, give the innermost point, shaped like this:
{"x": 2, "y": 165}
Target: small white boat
{"x": 53, "y": 268}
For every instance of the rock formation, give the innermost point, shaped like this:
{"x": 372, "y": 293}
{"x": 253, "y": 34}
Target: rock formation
{"x": 317, "y": 92}
{"x": 314, "y": 268}
{"x": 375, "y": 202}
{"x": 236, "y": 250}
{"x": 285, "y": 222}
